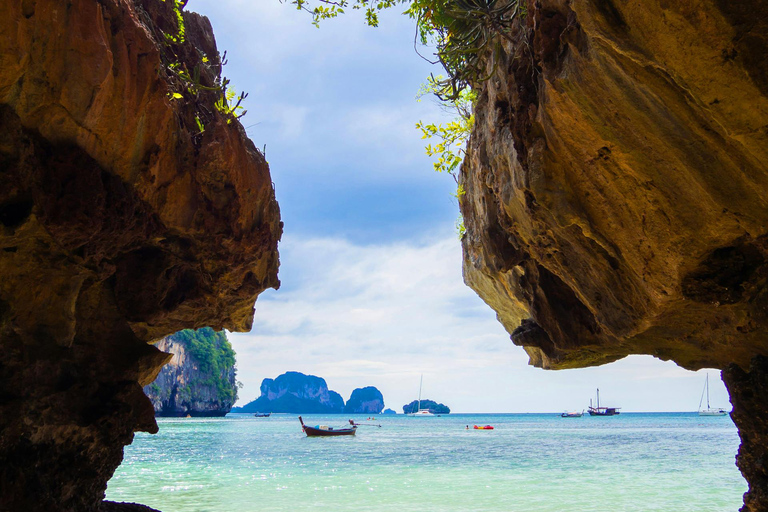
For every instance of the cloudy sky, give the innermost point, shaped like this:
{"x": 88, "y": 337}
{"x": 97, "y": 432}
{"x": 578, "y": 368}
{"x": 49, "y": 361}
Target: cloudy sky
{"x": 370, "y": 261}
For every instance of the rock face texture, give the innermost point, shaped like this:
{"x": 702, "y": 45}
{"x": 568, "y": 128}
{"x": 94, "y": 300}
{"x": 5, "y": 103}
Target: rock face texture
{"x": 199, "y": 380}
{"x": 120, "y": 222}
{"x": 616, "y": 184}
{"x": 295, "y": 392}
{"x": 749, "y": 396}
{"x": 367, "y": 400}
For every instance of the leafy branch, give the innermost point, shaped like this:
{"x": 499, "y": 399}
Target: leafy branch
{"x": 200, "y": 75}
{"x": 452, "y": 136}
{"x": 327, "y": 9}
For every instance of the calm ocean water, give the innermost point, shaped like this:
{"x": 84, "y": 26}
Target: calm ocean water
{"x": 529, "y": 463}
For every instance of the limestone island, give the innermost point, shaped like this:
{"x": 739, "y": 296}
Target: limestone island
{"x": 367, "y": 400}
{"x": 297, "y": 393}
{"x": 199, "y": 380}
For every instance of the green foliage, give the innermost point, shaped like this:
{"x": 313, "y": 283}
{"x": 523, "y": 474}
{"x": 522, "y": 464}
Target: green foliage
{"x": 214, "y": 356}
{"x": 226, "y": 103}
{"x": 180, "y": 35}
{"x": 327, "y": 9}
{"x": 462, "y": 31}
{"x": 452, "y": 137}
{"x": 461, "y": 229}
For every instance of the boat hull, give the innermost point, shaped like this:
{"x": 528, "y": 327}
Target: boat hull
{"x": 604, "y": 413}
{"x": 319, "y": 432}
{"x": 713, "y": 413}
{"x": 327, "y": 431}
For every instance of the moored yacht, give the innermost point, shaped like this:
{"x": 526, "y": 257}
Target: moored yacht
{"x": 709, "y": 411}
{"x": 420, "y": 411}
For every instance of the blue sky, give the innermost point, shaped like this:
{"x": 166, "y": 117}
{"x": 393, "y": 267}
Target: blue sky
{"x": 372, "y": 291}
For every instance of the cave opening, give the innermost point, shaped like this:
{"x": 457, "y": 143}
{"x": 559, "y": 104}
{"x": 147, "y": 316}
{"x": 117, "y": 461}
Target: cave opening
{"x": 133, "y": 204}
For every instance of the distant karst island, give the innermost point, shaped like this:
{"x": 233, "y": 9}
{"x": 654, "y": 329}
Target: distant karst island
{"x": 297, "y": 393}
{"x": 367, "y": 400}
{"x": 431, "y": 405}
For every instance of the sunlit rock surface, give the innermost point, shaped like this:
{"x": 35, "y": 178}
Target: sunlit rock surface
{"x": 120, "y": 222}
{"x": 616, "y": 184}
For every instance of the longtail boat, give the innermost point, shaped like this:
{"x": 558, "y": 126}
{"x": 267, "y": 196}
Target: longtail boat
{"x": 326, "y": 431}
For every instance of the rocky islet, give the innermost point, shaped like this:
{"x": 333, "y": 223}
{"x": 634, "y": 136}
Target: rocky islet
{"x": 199, "y": 380}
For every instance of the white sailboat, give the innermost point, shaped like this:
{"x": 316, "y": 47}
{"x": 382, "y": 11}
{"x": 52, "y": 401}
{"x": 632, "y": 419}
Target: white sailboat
{"x": 420, "y": 411}
{"x": 709, "y": 411}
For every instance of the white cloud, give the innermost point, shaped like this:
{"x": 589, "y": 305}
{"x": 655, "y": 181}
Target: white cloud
{"x": 382, "y": 315}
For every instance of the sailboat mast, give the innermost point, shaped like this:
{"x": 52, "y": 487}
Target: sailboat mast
{"x": 706, "y": 385}
{"x": 421, "y": 381}
{"x": 598, "y": 398}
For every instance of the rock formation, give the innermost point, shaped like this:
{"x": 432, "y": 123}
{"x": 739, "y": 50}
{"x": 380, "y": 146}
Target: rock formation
{"x": 199, "y": 380}
{"x": 615, "y": 190}
{"x": 120, "y": 222}
{"x": 294, "y": 392}
{"x": 430, "y": 405}
{"x": 367, "y": 400}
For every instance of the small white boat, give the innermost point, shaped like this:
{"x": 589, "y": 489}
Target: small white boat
{"x": 709, "y": 411}
{"x": 421, "y": 412}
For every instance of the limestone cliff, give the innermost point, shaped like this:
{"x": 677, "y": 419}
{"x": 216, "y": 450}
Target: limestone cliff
{"x": 616, "y": 184}
{"x": 120, "y": 222}
{"x": 367, "y": 400}
{"x": 199, "y": 380}
{"x": 295, "y": 392}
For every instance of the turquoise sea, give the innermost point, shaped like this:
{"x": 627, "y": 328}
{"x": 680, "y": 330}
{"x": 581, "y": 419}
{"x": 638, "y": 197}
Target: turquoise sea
{"x": 529, "y": 463}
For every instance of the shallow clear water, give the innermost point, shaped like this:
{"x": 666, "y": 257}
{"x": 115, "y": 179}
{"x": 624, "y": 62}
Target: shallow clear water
{"x": 530, "y": 462}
